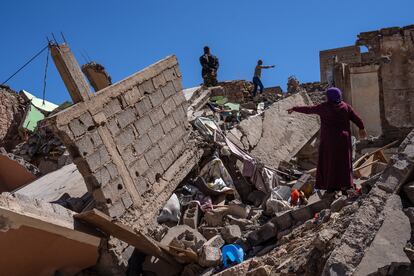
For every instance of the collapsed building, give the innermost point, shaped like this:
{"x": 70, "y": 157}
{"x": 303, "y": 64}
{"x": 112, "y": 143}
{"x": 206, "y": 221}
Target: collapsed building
{"x": 143, "y": 177}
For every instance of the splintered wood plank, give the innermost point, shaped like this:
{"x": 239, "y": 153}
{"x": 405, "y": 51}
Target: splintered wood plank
{"x": 362, "y": 159}
{"x": 140, "y": 241}
{"x": 364, "y": 169}
{"x": 381, "y": 157}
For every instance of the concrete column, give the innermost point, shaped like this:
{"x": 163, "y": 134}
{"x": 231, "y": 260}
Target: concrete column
{"x": 70, "y": 73}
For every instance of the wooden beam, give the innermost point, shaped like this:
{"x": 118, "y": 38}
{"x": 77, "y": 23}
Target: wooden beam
{"x": 70, "y": 72}
{"x": 364, "y": 166}
{"x": 366, "y": 155}
{"x": 140, "y": 241}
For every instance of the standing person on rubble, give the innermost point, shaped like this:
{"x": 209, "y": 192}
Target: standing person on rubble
{"x": 257, "y": 75}
{"x": 210, "y": 65}
{"x": 334, "y": 172}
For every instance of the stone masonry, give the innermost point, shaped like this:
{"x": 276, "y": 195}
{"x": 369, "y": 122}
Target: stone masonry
{"x": 126, "y": 136}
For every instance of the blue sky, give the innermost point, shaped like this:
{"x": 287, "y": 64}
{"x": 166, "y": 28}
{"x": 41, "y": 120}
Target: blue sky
{"x": 126, "y": 36}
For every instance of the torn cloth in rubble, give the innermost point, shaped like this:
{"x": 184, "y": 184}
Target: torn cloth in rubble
{"x": 190, "y": 194}
{"x": 279, "y": 200}
{"x": 171, "y": 210}
{"x": 249, "y": 167}
{"x": 206, "y": 126}
{"x": 237, "y": 151}
{"x": 214, "y": 170}
{"x": 263, "y": 178}
{"x": 204, "y": 201}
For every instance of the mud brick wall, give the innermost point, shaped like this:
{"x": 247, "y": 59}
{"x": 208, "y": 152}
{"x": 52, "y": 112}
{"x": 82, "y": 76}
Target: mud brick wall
{"x": 393, "y": 50}
{"x": 127, "y": 135}
{"x": 349, "y": 54}
{"x": 234, "y": 91}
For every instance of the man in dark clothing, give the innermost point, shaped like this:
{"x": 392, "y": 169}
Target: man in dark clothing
{"x": 334, "y": 172}
{"x": 257, "y": 75}
{"x": 210, "y": 65}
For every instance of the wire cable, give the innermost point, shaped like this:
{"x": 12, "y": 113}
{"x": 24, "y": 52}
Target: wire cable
{"x": 44, "y": 79}
{"x": 24, "y": 65}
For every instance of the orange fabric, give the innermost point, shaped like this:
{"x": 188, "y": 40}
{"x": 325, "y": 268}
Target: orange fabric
{"x": 294, "y": 196}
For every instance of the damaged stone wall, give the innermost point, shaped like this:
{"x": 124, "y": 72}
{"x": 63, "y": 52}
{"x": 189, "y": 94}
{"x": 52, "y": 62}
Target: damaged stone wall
{"x": 12, "y": 109}
{"x": 44, "y": 150}
{"x": 126, "y": 136}
{"x": 393, "y": 48}
{"x": 386, "y": 72}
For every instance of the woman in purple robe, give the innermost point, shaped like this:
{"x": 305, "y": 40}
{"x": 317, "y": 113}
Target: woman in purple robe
{"x": 334, "y": 170}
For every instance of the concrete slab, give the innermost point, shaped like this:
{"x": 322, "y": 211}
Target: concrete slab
{"x": 276, "y": 135}
{"x": 15, "y": 172}
{"x": 53, "y": 185}
{"x": 39, "y": 238}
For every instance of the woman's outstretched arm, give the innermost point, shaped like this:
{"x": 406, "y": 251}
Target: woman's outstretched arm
{"x": 313, "y": 109}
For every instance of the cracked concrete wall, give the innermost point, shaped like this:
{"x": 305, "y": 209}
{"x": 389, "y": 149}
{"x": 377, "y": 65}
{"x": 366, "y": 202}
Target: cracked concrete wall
{"x": 126, "y": 136}
{"x": 275, "y": 135}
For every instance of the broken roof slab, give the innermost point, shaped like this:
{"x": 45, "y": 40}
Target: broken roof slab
{"x": 52, "y": 186}
{"x": 38, "y": 103}
{"x": 15, "y": 171}
{"x": 39, "y": 238}
{"x": 275, "y": 135}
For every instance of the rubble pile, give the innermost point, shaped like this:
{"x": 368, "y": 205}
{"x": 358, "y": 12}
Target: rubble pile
{"x": 312, "y": 87}
{"x": 316, "y": 91}
{"x": 44, "y": 150}
{"x": 264, "y": 222}
{"x": 144, "y": 177}
{"x": 230, "y": 103}
{"x": 363, "y": 235}
{"x": 293, "y": 85}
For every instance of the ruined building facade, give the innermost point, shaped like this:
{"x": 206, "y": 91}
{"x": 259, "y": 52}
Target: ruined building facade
{"x": 379, "y": 84}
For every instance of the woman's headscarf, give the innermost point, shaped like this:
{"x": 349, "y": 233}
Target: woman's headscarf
{"x": 334, "y": 95}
